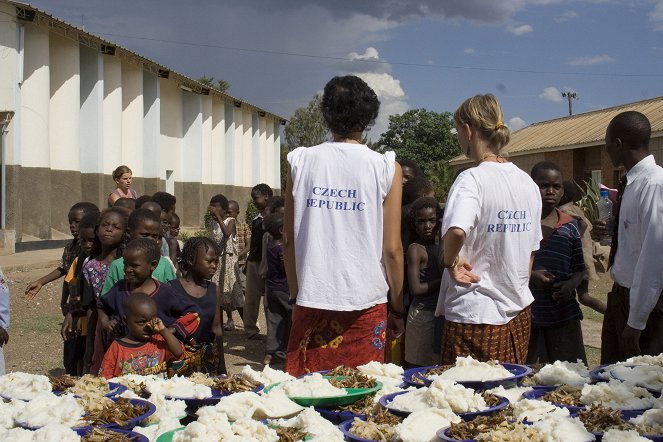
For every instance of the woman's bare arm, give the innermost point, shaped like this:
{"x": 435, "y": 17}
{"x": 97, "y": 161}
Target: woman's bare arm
{"x": 289, "y": 238}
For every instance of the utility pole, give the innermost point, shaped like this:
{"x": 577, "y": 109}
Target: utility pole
{"x": 570, "y": 96}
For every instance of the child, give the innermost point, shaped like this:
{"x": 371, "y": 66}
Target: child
{"x": 227, "y": 276}
{"x": 199, "y": 263}
{"x": 71, "y": 251}
{"x": 557, "y": 271}
{"x": 255, "y": 285}
{"x": 243, "y": 246}
{"x": 141, "y": 257}
{"x": 142, "y": 223}
{"x": 74, "y": 326}
{"x": 175, "y": 233}
{"x": 568, "y": 206}
{"x": 167, "y": 203}
{"x": 424, "y": 276}
{"x": 277, "y": 293}
{"x": 146, "y": 347}
{"x": 275, "y": 205}
{"x": 110, "y": 232}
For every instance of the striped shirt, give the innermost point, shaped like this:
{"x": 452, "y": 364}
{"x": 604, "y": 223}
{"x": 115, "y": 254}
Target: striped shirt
{"x": 561, "y": 255}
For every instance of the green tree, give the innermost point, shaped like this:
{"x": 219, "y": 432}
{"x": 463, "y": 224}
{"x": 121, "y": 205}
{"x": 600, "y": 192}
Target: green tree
{"x": 422, "y": 136}
{"x": 307, "y": 126}
{"x": 221, "y": 85}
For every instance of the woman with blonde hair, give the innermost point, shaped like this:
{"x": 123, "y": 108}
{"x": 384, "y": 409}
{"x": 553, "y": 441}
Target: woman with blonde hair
{"x": 122, "y": 177}
{"x": 491, "y": 227}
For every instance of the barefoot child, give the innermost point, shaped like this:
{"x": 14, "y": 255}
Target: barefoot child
{"x": 147, "y": 346}
{"x": 74, "y": 326}
{"x": 199, "y": 263}
{"x": 424, "y": 275}
{"x": 140, "y": 259}
{"x": 557, "y": 271}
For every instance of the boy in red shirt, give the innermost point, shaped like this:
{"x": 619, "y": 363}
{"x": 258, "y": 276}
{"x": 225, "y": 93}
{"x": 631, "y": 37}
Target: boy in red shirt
{"x": 148, "y": 345}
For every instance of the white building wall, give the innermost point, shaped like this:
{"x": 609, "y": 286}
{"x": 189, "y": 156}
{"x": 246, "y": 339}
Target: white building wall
{"x": 269, "y": 147}
{"x": 91, "y": 110}
{"x": 246, "y": 148}
{"x": 151, "y": 122}
{"x": 192, "y": 137}
{"x": 112, "y": 114}
{"x": 277, "y": 148}
{"x": 230, "y": 157}
{"x": 132, "y": 117}
{"x": 10, "y": 93}
{"x": 64, "y": 127}
{"x": 35, "y": 99}
{"x": 206, "y": 147}
{"x": 265, "y": 153}
{"x": 217, "y": 156}
{"x": 170, "y": 139}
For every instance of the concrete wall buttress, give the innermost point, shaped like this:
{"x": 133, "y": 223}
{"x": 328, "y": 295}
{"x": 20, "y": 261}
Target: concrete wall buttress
{"x": 207, "y": 143}
{"x": 132, "y": 119}
{"x": 230, "y": 158}
{"x": 151, "y": 130}
{"x": 217, "y": 157}
{"x": 112, "y": 115}
{"x": 35, "y": 207}
{"x": 192, "y": 142}
{"x": 247, "y": 149}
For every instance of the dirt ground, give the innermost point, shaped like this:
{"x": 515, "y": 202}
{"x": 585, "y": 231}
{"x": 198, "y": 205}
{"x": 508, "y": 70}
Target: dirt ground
{"x": 35, "y": 345}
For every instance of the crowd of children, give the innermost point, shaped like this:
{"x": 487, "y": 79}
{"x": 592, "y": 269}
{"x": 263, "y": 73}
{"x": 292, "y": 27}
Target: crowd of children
{"x": 136, "y": 299}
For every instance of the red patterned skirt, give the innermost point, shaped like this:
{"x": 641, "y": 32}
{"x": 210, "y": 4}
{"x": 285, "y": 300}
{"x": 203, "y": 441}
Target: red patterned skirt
{"x": 325, "y": 339}
{"x": 487, "y": 342}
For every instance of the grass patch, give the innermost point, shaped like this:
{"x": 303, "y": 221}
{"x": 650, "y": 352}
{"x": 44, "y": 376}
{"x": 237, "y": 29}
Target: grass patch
{"x": 593, "y": 356}
{"x": 40, "y": 324}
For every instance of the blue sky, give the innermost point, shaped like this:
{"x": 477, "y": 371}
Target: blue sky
{"x": 416, "y": 54}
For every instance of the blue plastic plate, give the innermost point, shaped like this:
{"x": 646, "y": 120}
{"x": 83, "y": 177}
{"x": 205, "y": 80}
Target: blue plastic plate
{"x": 385, "y": 401}
{"x": 416, "y": 377}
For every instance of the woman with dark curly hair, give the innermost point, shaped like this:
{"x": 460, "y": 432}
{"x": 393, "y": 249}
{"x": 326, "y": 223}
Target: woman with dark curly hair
{"x": 343, "y": 253}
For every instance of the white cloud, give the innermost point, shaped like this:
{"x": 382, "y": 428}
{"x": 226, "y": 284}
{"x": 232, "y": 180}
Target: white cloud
{"x": 552, "y": 94}
{"x": 517, "y": 123}
{"x": 567, "y": 16}
{"x": 369, "y": 54}
{"x": 591, "y": 60}
{"x": 520, "y": 30}
{"x": 469, "y": 50}
{"x": 392, "y": 99}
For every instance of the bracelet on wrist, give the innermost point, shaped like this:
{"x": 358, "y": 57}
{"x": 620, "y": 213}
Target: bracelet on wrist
{"x": 453, "y": 264}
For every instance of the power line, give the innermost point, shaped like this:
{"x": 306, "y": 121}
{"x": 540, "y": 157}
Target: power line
{"x": 374, "y": 61}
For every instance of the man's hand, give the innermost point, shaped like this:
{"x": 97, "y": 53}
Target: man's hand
{"x": 395, "y": 326}
{"x": 216, "y": 211}
{"x": 32, "y": 289}
{"x": 542, "y": 279}
{"x": 563, "y": 291}
{"x": 4, "y": 337}
{"x": 461, "y": 272}
{"x": 631, "y": 341}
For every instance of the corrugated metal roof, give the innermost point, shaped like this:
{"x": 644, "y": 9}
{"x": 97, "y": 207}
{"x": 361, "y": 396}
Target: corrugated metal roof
{"x": 142, "y": 58}
{"x": 580, "y": 130}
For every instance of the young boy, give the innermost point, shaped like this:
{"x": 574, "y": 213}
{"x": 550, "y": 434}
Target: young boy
{"x": 71, "y": 250}
{"x": 255, "y": 285}
{"x": 175, "y": 232}
{"x": 558, "y": 269}
{"x": 243, "y": 246}
{"x": 142, "y": 223}
{"x": 277, "y": 292}
{"x": 147, "y": 346}
{"x": 424, "y": 276}
{"x": 140, "y": 260}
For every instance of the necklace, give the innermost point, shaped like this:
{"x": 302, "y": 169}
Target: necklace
{"x": 498, "y": 158}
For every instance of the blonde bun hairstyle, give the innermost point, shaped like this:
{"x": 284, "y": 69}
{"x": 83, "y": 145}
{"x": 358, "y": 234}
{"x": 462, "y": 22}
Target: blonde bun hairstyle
{"x": 121, "y": 170}
{"x": 484, "y": 114}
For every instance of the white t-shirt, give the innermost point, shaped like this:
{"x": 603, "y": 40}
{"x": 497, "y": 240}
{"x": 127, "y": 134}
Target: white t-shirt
{"x": 499, "y": 208}
{"x": 338, "y": 190}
